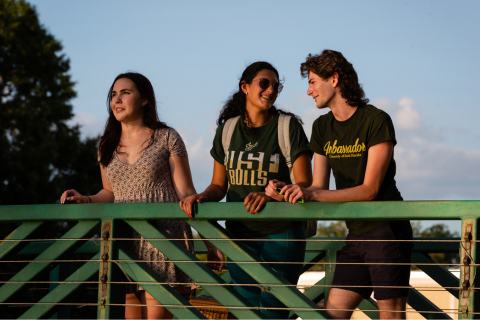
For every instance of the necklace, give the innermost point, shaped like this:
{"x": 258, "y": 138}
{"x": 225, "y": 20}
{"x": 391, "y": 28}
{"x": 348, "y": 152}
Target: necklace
{"x": 251, "y": 125}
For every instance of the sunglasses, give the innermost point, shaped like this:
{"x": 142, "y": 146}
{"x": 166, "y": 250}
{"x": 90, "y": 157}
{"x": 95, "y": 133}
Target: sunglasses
{"x": 265, "y": 84}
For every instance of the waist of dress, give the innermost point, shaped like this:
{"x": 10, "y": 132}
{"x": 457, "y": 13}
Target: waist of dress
{"x": 145, "y": 196}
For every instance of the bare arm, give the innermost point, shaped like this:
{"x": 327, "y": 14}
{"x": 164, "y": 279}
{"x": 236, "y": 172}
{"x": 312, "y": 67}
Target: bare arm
{"x": 219, "y": 185}
{"x": 103, "y": 196}
{"x": 181, "y": 177}
{"x": 302, "y": 170}
{"x": 379, "y": 157}
{"x": 213, "y": 193}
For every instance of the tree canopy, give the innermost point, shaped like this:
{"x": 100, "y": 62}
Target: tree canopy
{"x": 40, "y": 153}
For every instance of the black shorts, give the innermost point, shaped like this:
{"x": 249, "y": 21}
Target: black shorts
{"x": 384, "y": 252}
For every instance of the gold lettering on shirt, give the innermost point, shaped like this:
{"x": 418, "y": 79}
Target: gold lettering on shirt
{"x": 240, "y": 162}
{"x": 262, "y": 178}
{"x": 260, "y": 157}
{"x": 244, "y": 173}
{"x": 232, "y": 176}
{"x": 238, "y": 176}
{"x": 231, "y": 159}
{"x": 252, "y": 181}
{"x": 345, "y": 149}
{"x": 274, "y": 163}
{"x": 245, "y": 178}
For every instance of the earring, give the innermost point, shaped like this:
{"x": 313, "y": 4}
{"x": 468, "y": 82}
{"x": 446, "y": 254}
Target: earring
{"x": 246, "y": 92}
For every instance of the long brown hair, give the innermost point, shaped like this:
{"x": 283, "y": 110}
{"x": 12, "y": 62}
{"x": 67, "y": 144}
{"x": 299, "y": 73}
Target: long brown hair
{"x": 110, "y": 139}
{"x": 236, "y": 105}
{"x": 328, "y": 62}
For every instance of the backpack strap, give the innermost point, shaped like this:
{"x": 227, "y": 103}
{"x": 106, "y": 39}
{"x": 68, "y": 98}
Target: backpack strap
{"x": 284, "y": 141}
{"x": 227, "y": 135}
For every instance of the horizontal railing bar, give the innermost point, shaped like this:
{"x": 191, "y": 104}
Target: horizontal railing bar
{"x": 430, "y": 245}
{"x": 272, "y": 308}
{"x": 372, "y": 210}
{"x": 248, "y": 262}
{"x": 209, "y": 306}
{"x": 236, "y": 284}
{"x": 28, "y": 304}
{"x": 292, "y": 240}
{"x": 98, "y": 240}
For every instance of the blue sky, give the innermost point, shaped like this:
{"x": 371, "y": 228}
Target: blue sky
{"x": 417, "y": 60}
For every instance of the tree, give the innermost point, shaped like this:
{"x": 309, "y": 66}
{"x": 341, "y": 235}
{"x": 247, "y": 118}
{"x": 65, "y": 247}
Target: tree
{"x": 334, "y": 229}
{"x": 439, "y": 230}
{"x": 40, "y": 154}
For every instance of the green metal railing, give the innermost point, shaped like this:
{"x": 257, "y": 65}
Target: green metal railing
{"x": 100, "y": 265}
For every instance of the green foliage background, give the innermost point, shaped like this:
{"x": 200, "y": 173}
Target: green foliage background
{"x": 41, "y": 155}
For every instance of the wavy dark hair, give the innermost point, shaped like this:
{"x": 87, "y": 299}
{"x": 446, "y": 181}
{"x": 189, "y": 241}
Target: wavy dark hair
{"x": 236, "y": 105}
{"x": 110, "y": 141}
{"x": 328, "y": 62}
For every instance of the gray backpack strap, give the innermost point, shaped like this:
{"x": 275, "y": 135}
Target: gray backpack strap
{"x": 227, "y": 135}
{"x": 285, "y": 146}
{"x": 284, "y": 141}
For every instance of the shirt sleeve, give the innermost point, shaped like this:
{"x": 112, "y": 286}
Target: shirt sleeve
{"x": 381, "y": 130}
{"x": 298, "y": 140}
{"x": 316, "y": 144}
{"x": 176, "y": 146}
{"x": 217, "y": 151}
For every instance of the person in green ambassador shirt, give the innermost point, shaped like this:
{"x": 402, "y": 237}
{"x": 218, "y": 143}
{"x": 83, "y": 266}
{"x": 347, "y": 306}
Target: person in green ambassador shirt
{"x": 355, "y": 141}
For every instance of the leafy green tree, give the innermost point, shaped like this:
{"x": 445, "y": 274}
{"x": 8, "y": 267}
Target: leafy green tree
{"x": 40, "y": 154}
{"x": 439, "y": 230}
{"x": 332, "y": 229}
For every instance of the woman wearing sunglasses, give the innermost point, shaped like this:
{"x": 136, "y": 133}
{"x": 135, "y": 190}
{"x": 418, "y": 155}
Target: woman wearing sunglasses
{"x": 242, "y": 170}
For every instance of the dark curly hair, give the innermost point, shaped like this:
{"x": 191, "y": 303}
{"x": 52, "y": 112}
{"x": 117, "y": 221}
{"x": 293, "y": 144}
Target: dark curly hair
{"x": 236, "y": 105}
{"x": 110, "y": 140}
{"x": 328, "y": 62}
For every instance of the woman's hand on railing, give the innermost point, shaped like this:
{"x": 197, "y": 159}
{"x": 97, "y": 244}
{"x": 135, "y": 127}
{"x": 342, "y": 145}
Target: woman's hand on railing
{"x": 271, "y": 189}
{"x": 73, "y": 196}
{"x": 187, "y": 204}
{"x": 255, "y": 201}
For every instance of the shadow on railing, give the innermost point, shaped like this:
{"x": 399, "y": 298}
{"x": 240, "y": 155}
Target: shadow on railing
{"x": 77, "y": 276}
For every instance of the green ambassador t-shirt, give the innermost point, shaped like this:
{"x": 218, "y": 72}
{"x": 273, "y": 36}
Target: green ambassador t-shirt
{"x": 346, "y": 144}
{"x": 253, "y": 160}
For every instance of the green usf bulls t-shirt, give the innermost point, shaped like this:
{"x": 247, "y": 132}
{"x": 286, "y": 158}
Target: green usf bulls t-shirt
{"x": 253, "y": 160}
{"x": 346, "y": 144}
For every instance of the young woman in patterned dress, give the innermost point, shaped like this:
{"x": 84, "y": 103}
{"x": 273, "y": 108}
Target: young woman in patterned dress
{"x": 142, "y": 160}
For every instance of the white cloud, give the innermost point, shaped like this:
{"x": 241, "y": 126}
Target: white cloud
{"x": 90, "y": 126}
{"x": 427, "y": 168}
{"x": 405, "y": 113}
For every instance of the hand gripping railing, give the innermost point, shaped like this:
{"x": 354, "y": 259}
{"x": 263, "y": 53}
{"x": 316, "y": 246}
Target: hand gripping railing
{"x": 41, "y": 276}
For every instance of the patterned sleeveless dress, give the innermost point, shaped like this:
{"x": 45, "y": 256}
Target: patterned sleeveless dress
{"x": 149, "y": 180}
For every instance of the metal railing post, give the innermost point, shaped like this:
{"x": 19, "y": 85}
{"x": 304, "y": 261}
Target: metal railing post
{"x": 108, "y": 293}
{"x": 468, "y": 300}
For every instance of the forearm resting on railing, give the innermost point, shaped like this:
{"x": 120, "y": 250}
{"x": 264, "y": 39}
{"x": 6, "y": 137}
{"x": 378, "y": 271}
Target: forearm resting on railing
{"x": 104, "y": 196}
{"x": 360, "y": 193}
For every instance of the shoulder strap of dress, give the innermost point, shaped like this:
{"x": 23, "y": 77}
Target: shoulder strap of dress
{"x": 284, "y": 141}
{"x": 227, "y": 135}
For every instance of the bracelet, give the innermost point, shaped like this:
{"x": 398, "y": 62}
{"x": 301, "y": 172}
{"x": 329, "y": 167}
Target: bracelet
{"x": 89, "y": 199}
